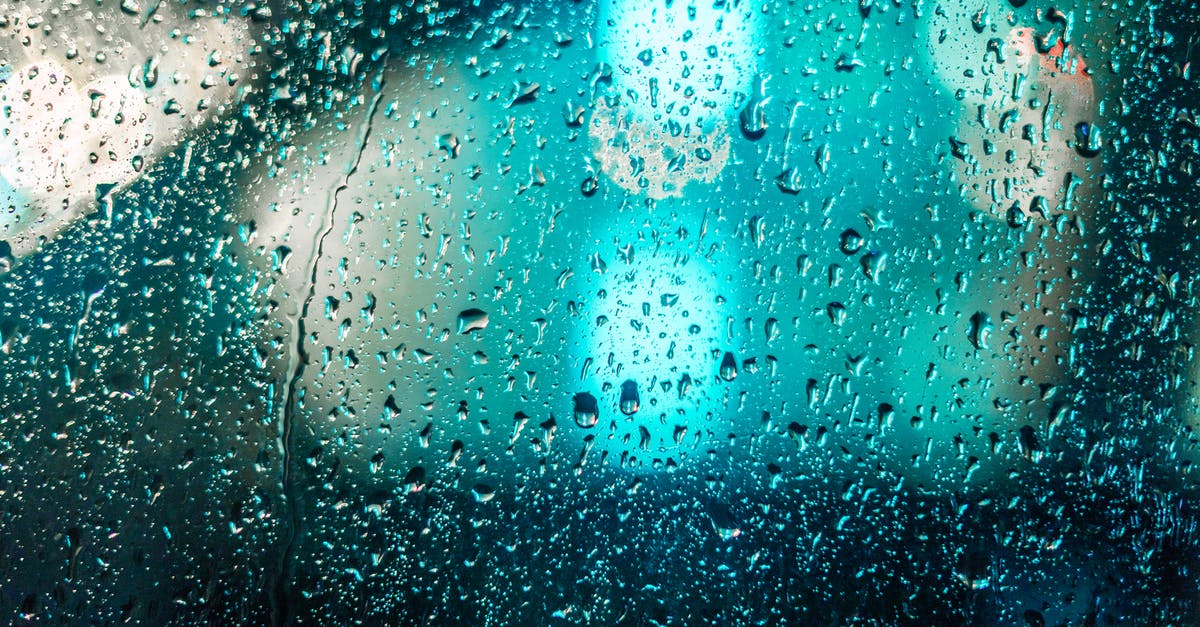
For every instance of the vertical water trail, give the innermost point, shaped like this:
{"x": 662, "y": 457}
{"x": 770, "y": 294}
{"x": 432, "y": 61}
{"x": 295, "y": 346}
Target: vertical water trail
{"x": 297, "y": 360}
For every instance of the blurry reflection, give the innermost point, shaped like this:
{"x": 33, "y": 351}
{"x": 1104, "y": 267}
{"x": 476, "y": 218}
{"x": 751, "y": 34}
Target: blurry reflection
{"x": 658, "y": 312}
{"x": 93, "y": 98}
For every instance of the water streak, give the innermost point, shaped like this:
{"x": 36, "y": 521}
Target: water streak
{"x": 297, "y": 361}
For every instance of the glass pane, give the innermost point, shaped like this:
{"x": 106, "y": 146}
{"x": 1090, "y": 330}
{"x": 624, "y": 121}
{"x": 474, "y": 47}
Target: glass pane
{"x": 614, "y": 312}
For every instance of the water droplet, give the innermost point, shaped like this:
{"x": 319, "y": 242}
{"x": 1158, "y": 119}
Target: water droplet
{"x": 573, "y": 115}
{"x": 414, "y": 481}
{"x": 482, "y": 493}
{"x": 685, "y": 385}
{"x": 851, "y": 242}
{"x": 598, "y": 265}
{"x": 729, "y": 369}
{"x": 449, "y": 142}
{"x": 960, "y": 149}
{"x": 587, "y": 410}
{"x": 630, "y": 399}
{"x": 470, "y": 320}
{"x": 753, "y": 116}
{"x": 981, "y": 20}
{"x": 723, "y": 522}
{"x": 887, "y": 413}
{"x": 1088, "y": 140}
{"x": 837, "y": 313}
{"x": 589, "y": 186}
{"x": 771, "y": 329}
{"x": 524, "y": 92}
{"x": 789, "y": 181}
{"x": 873, "y": 263}
{"x": 1016, "y": 218}
{"x": 1027, "y": 444}
{"x": 150, "y": 72}
{"x": 848, "y": 63}
{"x": 6, "y": 257}
{"x": 979, "y": 330}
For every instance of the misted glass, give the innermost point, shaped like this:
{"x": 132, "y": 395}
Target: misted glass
{"x": 657, "y": 312}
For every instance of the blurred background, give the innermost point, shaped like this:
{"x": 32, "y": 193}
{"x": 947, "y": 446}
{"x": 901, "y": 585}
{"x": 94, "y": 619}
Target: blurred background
{"x": 614, "y": 312}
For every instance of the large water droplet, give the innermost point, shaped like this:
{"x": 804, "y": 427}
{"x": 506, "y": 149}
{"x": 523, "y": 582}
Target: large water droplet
{"x": 979, "y": 330}
{"x": 589, "y": 185}
{"x": 1088, "y": 140}
{"x": 482, "y": 493}
{"x": 631, "y": 401}
{"x": 729, "y": 369}
{"x": 6, "y": 257}
{"x": 587, "y": 410}
{"x": 470, "y": 320}
{"x": 789, "y": 181}
{"x": 414, "y": 481}
{"x": 771, "y": 328}
{"x": 723, "y": 522}
{"x": 836, "y": 312}
{"x": 851, "y": 242}
{"x": 873, "y": 263}
{"x": 753, "y": 117}
{"x": 1016, "y": 218}
{"x": 524, "y": 92}
{"x": 150, "y": 72}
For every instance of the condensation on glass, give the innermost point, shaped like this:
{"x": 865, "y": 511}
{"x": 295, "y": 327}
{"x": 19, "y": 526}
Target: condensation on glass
{"x": 660, "y": 312}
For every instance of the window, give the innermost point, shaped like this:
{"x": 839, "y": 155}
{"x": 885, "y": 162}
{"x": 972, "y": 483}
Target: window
{"x": 665, "y": 312}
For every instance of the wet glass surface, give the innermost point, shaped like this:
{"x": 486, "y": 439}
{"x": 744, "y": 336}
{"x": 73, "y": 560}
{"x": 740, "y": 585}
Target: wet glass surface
{"x": 666, "y": 312}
